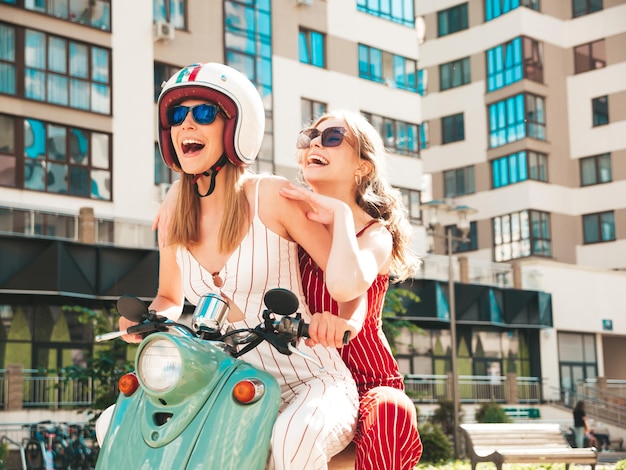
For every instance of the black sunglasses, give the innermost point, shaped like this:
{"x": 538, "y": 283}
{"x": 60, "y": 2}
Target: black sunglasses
{"x": 331, "y": 137}
{"x": 204, "y": 113}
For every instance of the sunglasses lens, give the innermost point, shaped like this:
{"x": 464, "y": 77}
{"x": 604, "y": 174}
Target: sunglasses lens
{"x": 332, "y": 137}
{"x": 305, "y": 137}
{"x": 204, "y": 113}
{"x": 176, "y": 115}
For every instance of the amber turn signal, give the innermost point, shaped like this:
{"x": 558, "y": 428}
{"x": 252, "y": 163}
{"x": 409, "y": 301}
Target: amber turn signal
{"x": 248, "y": 391}
{"x": 128, "y": 384}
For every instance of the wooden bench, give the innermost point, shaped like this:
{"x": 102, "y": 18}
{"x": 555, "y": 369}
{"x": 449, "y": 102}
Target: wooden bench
{"x": 540, "y": 443}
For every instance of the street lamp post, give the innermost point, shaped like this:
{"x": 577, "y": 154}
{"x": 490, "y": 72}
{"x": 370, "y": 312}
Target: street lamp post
{"x": 462, "y": 224}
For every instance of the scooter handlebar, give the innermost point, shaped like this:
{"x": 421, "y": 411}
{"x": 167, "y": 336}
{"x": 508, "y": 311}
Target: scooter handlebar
{"x": 304, "y": 331}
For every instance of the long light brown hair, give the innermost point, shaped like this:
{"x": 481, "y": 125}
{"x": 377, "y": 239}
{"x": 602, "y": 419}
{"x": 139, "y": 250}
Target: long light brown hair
{"x": 185, "y": 229}
{"x": 375, "y": 195}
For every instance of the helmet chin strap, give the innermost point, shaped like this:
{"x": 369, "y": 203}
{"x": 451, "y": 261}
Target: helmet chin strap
{"x": 212, "y": 173}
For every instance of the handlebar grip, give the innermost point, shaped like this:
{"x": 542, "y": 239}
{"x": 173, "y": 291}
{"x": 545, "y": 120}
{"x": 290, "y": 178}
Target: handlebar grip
{"x": 304, "y": 331}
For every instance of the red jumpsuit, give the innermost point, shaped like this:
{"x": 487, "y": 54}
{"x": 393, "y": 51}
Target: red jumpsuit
{"x": 387, "y": 436}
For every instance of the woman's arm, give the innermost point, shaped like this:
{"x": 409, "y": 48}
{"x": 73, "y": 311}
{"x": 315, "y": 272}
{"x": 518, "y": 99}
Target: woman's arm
{"x": 352, "y": 264}
{"x": 169, "y": 299}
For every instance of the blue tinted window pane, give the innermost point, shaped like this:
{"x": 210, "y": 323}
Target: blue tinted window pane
{"x": 303, "y": 50}
{"x": 317, "y": 49}
{"x": 522, "y": 168}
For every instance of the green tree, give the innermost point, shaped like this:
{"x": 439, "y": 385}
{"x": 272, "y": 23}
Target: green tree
{"x": 393, "y": 310}
{"x": 111, "y": 359}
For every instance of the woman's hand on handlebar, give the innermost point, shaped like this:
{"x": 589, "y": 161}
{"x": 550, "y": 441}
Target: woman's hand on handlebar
{"x": 328, "y": 330}
{"x": 126, "y": 323}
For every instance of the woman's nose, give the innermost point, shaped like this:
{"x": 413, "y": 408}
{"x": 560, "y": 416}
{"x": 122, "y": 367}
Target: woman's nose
{"x": 188, "y": 121}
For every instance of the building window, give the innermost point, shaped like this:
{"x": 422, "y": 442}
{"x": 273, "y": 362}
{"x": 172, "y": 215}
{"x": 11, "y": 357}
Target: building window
{"x": 163, "y": 174}
{"x": 162, "y": 73}
{"x": 510, "y": 62}
{"x": 385, "y": 67}
{"x": 595, "y": 170}
{"x": 459, "y": 246}
{"x": 589, "y": 56}
{"x": 600, "y": 109}
{"x": 496, "y": 8}
{"x": 516, "y": 118}
{"x": 585, "y": 7}
{"x": 398, "y": 11}
{"x": 454, "y": 74}
{"x": 399, "y": 137}
{"x": 411, "y": 198}
{"x": 518, "y": 167}
{"x": 452, "y": 128}
{"x": 248, "y": 48}
{"x": 452, "y": 20}
{"x": 93, "y": 13}
{"x": 424, "y": 135}
{"x": 55, "y": 70}
{"x": 8, "y": 66}
{"x": 422, "y": 82}
{"x": 311, "y": 110}
{"x": 521, "y": 234}
{"x": 459, "y": 181}
{"x": 312, "y": 47}
{"x": 54, "y": 158}
{"x": 577, "y": 360}
{"x": 173, "y": 12}
{"x": 599, "y": 227}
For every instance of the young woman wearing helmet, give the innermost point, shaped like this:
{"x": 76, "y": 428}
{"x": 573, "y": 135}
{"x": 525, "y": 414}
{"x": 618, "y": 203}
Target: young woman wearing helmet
{"x": 387, "y": 436}
{"x": 233, "y": 234}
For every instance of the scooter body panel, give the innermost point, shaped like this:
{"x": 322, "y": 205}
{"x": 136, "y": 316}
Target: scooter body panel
{"x": 207, "y": 428}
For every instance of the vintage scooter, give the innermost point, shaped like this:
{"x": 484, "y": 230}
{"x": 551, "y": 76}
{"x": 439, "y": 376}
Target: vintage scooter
{"x": 191, "y": 403}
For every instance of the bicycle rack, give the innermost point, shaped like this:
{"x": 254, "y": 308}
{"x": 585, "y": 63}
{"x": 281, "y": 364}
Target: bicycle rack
{"x": 4, "y": 439}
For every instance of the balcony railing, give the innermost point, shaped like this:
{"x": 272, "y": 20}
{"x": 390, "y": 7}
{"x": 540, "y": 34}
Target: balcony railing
{"x": 474, "y": 389}
{"x": 57, "y": 225}
{"x": 480, "y": 272}
{"x": 53, "y": 392}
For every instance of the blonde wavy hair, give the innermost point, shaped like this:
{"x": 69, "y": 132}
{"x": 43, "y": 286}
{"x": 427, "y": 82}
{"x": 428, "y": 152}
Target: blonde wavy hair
{"x": 375, "y": 195}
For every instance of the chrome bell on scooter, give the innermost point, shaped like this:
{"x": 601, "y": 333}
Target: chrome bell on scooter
{"x": 210, "y": 315}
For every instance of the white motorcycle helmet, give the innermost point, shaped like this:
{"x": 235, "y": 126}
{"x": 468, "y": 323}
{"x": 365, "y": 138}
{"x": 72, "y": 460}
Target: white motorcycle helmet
{"x": 233, "y": 92}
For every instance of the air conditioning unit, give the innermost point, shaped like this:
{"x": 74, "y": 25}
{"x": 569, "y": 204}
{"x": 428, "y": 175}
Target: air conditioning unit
{"x": 163, "y": 31}
{"x": 307, "y": 3}
{"x": 163, "y": 188}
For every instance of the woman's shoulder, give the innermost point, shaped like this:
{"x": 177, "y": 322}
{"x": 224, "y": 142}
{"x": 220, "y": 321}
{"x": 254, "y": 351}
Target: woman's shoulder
{"x": 266, "y": 181}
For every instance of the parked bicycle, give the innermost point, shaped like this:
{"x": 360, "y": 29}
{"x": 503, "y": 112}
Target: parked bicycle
{"x": 60, "y": 446}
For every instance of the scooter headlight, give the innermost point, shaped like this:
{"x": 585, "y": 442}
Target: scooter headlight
{"x": 160, "y": 365}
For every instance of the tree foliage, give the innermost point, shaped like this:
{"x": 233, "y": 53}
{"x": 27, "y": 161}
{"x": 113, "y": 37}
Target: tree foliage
{"x": 393, "y": 310}
{"x": 109, "y": 362}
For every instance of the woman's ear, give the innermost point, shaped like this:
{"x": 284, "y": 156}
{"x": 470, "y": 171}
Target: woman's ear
{"x": 365, "y": 167}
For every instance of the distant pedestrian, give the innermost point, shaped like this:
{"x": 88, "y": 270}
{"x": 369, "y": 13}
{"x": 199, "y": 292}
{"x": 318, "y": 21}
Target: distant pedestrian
{"x": 581, "y": 426}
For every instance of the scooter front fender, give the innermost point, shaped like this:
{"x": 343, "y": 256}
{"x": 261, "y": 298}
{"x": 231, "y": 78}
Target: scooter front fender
{"x": 220, "y": 433}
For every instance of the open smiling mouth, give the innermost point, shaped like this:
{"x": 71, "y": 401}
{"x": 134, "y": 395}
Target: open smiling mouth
{"x": 191, "y": 146}
{"x": 316, "y": 160}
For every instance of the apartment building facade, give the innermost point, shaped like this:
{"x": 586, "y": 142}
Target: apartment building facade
{"x": 81, "y": 178}
{"x": 525, "y": 116}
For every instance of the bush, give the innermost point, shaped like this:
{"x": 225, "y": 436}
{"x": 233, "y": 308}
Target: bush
{"x": 621, "y": 465}
{"x": 4, "y": 453}
{"x": 491, "y": 413}
{"x": 444, "y": 416}
{"x": 436, "y": 446}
